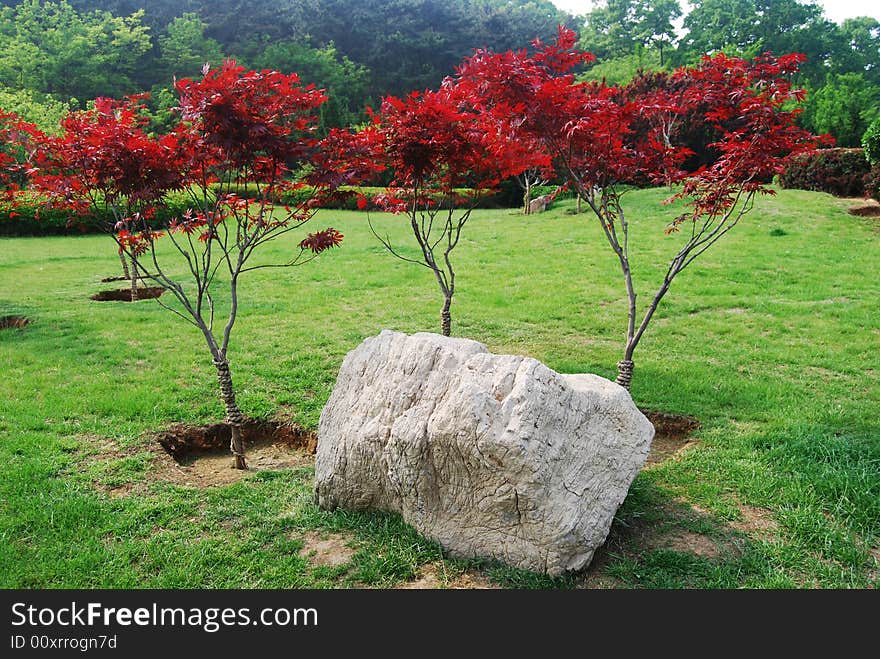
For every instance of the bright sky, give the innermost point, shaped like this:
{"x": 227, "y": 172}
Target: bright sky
{"x": 836, "y": 10}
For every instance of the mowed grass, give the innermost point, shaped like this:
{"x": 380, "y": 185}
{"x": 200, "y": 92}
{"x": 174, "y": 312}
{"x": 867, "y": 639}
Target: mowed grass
{"x": 771, "y": 339}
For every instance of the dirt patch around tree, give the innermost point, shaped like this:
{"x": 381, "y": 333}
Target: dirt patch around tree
{"x": 124, "y": 294}
{"x": 199, "y": 456}
{"x": 327, "y": 549}
{"x": 672, "y": 433}
{"x": 13, "y": 322}
{"x": 202, "y": 452}
{"x": 865, "y": 208}
{"x": 435, "y": 575}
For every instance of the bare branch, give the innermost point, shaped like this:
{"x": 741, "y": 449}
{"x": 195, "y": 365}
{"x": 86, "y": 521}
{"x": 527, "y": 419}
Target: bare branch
{"x": 386, "y": 243}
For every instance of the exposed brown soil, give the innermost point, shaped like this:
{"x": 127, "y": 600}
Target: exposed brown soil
{"x": 186, "y": 443}
{"x": 201, "y": 453}
{"x": 868, "y": 208}
{"x": 200, "y": 456}
{"x": 635, "y": 536}
{"x": 124, "y": 294}
{"x": 12, "y": 322}
{"x": 434, "y": 575}
{"x": 671, "y": 434}
{"x": 327, "y": 549}
{"x": 755, "y": 521}
{"x": 687, "y": 542}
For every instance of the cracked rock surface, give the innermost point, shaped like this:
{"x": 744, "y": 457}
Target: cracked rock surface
{"x": 490, "y": 455}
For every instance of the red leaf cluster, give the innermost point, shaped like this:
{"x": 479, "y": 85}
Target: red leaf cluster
{"x": 236, "y": 127}
{"x": 16, "y": 139}
{"x": 258, "y": 121}
{"x": 321, "y": 240}
{"x": 104, "y": 155}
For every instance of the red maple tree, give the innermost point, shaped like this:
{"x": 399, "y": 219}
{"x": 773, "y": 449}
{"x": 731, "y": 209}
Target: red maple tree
{"x": 608, "y": 140}
{"x": 240, "y": 132}
{"x": 445, "y": 159}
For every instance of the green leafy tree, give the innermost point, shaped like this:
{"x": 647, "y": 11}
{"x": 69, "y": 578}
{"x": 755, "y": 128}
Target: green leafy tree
{"x": 619, "y": 28}
{"x": 620, "y": 70}
{"x": 414, "y": 44}
{"x": 858, "y": 50}
{"x": 753, "y": 27}
{"x": 871, "y": 145}
{"x": 41, "y": 110}
{"x": 871, "y": 142}
{"x": 844, "y": 107}
{"x": 185, "y": 49}
{"x": 346, "y": 82}
{"x": 49, "y": 48}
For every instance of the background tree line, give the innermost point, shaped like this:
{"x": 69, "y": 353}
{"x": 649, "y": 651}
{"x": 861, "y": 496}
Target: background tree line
{"x": 70, "y": 51}
{"x": 841, "y": 74}
{"x": 62, "y": 53}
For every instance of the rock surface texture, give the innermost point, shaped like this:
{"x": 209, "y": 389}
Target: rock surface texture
{"x": 489, "y": 455}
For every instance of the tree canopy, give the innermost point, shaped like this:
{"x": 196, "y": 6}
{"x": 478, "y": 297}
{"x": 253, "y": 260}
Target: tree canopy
{"x": 361, "y": 52}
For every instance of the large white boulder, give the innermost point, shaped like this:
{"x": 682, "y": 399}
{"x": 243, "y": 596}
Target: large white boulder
{"x": 489, "y": 455}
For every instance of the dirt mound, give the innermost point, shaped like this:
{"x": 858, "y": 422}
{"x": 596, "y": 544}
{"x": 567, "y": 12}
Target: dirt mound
{"x": 11, "y": 322}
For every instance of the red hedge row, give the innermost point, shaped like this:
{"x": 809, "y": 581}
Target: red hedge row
{"x": 840, "y": 172}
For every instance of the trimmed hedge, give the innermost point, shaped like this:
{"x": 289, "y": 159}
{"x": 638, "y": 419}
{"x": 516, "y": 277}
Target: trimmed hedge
{"x": 840, "y": 172}
{"x": 347, "y": 199}
{"x": 29, "y": 219}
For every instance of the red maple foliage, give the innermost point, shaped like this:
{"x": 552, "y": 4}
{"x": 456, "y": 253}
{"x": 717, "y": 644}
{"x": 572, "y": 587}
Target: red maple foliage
{"x": 103, "y": 156}
{"x": 16, "y": 138}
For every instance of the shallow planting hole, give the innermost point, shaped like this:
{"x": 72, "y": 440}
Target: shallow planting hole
{"x": 124, "y": 294}
{"x": 867, "y": 210}
{"x": 12, "y": 322}
{"x": 671, "y": 434}
{"x": 202, "y": 452}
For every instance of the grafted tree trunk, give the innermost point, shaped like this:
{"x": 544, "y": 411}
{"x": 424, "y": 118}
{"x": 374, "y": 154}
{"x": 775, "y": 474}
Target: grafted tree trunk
{"x": 122, "y": 258}
{"x": 234, "y": 417}
{"x": 446, "y": 316}
{"x": 625, "y": 372}
{"x": 527, "y": 196}
{"x": 134, "y": 280}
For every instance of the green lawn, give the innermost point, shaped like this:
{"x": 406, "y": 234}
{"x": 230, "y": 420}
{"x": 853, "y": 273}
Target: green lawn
{"x": 771, "y": 340}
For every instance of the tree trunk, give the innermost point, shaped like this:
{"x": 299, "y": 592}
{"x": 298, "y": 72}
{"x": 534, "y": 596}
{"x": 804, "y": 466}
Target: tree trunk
{"x": 122, "y": 258}
{"x": 625, "y": 372}
{"x": 579, "y": 200}
{"x": 134, "y": 281}
{"x": 446, "y": 317}
{"x": 527, "y": 197}
{"x": 234, "y": 416}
